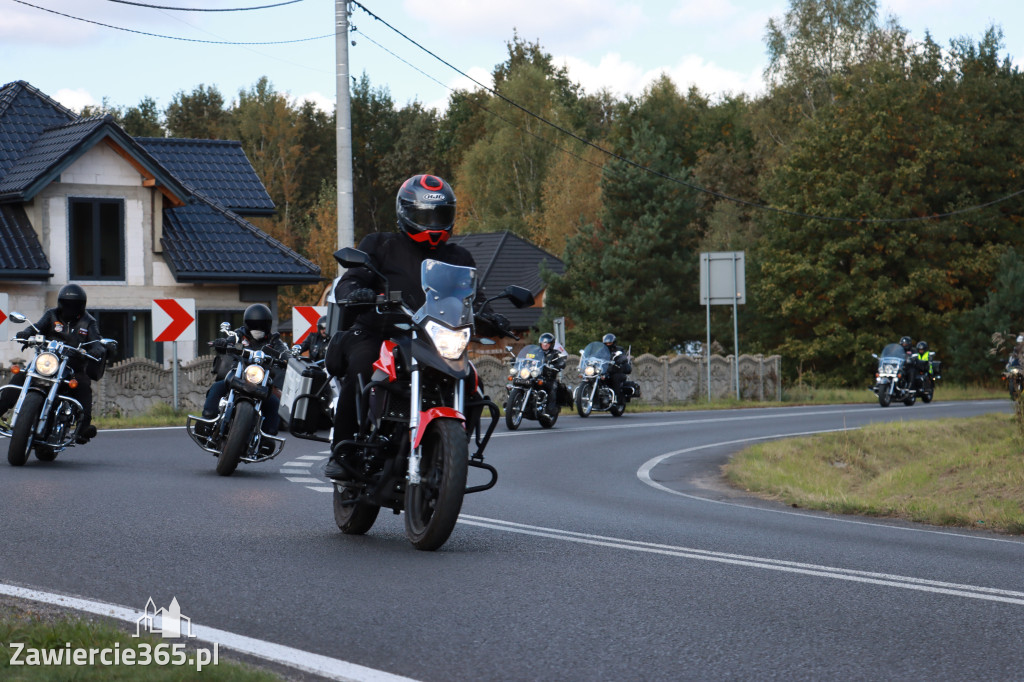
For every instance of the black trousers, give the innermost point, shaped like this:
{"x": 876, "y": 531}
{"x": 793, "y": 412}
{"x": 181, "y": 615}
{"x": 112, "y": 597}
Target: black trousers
{"x": 82, "y": 394}
{"x": 355, "y": 353}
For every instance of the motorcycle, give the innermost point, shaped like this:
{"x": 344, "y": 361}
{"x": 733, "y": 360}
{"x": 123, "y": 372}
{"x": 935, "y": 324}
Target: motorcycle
{"x": 44, "y": 418}
{"x": 420, "y": 410}
{"x": 892, "y": 380}
{"x": 594, "y": 392}
{"x": 528, "y": 386}
{"x": 1014, "y": 378}
{"x": 236, "y": 434}
{"x": 308, "y": 399}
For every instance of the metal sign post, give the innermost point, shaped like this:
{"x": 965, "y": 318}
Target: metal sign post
{"x": 723, "y": 282}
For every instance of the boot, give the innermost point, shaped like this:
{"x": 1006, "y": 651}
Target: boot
{"x": 86, "y": 434}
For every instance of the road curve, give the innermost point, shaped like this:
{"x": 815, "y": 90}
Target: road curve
{"x": 609, "y": 549}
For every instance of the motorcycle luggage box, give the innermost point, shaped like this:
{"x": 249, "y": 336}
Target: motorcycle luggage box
{"x": 295, "y": 384}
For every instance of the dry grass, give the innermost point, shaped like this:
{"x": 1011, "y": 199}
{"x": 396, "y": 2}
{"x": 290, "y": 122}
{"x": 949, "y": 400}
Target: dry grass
{"x": 955, "y": 472}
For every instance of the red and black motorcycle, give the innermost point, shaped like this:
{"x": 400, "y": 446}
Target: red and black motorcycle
{"x": 420, "y": 410}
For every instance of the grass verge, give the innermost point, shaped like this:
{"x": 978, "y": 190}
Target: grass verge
{"x": 949, "y": 472}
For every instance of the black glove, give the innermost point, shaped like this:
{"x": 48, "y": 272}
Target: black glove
{"x": 23, "y": 334}
{"x": 361, "y": 296}
{"x": 499, "y": 321}
{"x": 219, "y": 344}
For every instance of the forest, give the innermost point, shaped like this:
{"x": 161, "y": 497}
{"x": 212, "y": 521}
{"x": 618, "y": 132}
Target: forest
{"x": 875, "y": 188}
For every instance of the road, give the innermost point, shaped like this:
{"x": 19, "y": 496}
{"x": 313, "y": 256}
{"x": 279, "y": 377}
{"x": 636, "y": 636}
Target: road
{"x": 609, "y": 550}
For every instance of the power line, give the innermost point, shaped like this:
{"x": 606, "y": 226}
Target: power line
{"x": 203, "y": 9}
{"x": 189, "y": 40}
{"x": 670, "y": 178}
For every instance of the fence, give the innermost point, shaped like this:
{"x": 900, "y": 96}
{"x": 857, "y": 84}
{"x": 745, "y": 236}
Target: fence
{"x": 133, "y": 386}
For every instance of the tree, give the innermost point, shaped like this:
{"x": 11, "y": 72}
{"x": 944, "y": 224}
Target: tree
{"x": 199, "y": 114}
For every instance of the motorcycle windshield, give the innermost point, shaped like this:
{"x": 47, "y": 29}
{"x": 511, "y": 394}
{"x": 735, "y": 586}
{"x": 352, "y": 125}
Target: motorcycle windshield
{"x": 530, "y": 358}
{"x": 893, "y": 350}
{"x": 596, "y": 350}
{"x": 450, "y": 290}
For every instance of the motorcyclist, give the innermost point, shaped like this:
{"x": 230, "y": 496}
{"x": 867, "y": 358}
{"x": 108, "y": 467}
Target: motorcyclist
{"x": 620, "y": 366}
{"x": 254, "y": 334}
{"x": 554, "y": 362}
{"x": 71, "y": 323}
{"x": 314, "y": 344}
{"x": 910, "y": 366}
{"x": 922, "y": 359}
{"x": 425, "y": 206}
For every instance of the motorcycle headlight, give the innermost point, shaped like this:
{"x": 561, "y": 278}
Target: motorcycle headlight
{"x": 450, "y": 343}
{"x": 47, "y": 364}
{"x": 589, "y": 371}
{"x": 535, "y": 373}
{"x": 254, "y": 374}
{"x": 524, "y": 373}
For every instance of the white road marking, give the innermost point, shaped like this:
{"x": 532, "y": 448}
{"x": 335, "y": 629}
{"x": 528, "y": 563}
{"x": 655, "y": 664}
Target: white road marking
{"x": 312, "y": 457}
{"x": 321, "y": 488}
{"x": 295, "y": 658}
{"x": 303, "y": 479}
{"x": 883, "y": 579}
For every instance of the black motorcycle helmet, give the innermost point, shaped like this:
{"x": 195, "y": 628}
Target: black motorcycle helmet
{"x": 425, "y": 206}
{"x": 922, "y": 346}
{"x": 71, "y": 302}
{"x": 258, "y": 318}
{"x": 907, "y": 342}
{"x": 546, "y": 337}
{"x": 321, "y": 324}
{"x": 608, "y": 340}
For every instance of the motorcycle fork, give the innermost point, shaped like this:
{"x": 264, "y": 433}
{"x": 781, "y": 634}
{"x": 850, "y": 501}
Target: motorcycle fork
{"x": 414, "y": 420}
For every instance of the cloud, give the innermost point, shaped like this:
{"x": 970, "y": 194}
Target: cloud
{"x": 477, "y": 74}
{"x": 627, "y": 78}
{"x": 320, "y": 101}
{"x": 74, "y": 100}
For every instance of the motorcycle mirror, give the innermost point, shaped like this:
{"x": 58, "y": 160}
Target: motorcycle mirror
{"x": 18, "y": 317}
{"x": 224, "y": 326}
{"x": 351, "y": 258}
{"x": 520, "y": 296}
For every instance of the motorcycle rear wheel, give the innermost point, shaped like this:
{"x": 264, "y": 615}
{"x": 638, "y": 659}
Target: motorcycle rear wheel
{"x": 21, "y": 436}
{"x": 237, "y": 441}
{"x": 353, "y": 519}
{"x": 432, "y": 506}
{"x": 514, "y": 409}
{"x": 584, "y": 405}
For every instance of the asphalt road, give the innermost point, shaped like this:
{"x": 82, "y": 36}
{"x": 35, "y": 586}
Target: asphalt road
{"x": 609, "y": 550}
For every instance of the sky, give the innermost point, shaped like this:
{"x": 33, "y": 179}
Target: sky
{"x": 618, "y": 45}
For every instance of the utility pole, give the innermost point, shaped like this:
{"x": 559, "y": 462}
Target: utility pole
{"x": 346, "y": 211}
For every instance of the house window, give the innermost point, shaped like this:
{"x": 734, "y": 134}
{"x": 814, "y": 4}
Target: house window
{"x": 97, "y": 239}
{"x": 133, "y": 331}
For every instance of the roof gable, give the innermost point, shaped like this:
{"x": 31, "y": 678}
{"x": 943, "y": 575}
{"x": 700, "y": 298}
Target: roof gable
{"x": 21, "y": 254}
{"x": 504, "y": 258}
{"x": 217, "y": 168}
{"x": 24, "y": 114}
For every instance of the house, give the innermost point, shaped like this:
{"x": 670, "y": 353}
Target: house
{"x": 504, "y": 258}
{"x": 131, "y": 220}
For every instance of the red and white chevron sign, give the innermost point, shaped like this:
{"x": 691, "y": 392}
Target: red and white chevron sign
{"x": 304, "y": 319}
{"x": 174, "y": 319}
{"x": 3, "y": 317}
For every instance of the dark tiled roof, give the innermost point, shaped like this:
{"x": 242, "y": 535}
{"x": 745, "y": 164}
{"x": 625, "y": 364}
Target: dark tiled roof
{"x": 505, "y": 258}
{"x": 217, "y": 168}
{"x": 204, "y": 242}
{"x": 21, "y": 254}
{"x": 50, "y": 148}
{"x": 24, "y": 114}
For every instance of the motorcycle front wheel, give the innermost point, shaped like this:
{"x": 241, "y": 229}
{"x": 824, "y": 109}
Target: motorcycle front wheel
{"x": 584, "y": 405}
{"x": 432, "y": 506}
{"x": 353, "y": 518}
{"x": 884, "y": 396}
{"x": 237, "y": 442}
{"x": 514, "y": 409}
{"x": 21, "y": 436}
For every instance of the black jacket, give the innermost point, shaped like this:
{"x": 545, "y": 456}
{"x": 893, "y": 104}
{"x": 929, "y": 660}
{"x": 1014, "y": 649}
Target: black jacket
{"x": 398, "y": 258}
{"x": 272, "y": 345}
{"x": 620, "y": 363}
{"x": 74, "y": 334}
{"x": 315, "y": 345}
